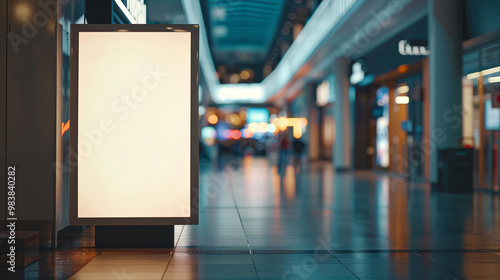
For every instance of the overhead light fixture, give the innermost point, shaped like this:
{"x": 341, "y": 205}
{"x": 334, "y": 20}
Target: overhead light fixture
{"x": 476, "y": 75}
{"x": 492, "y": 80}
{"x": 402, "y": 100}
{"x": 228, "y": 93}
{"x": 490, "y": 71}
{"x": 23, "y": 11}
{"x": 403, "y": 89}
{"x": 473, "y": 76}
{"x": 245, "y": 74}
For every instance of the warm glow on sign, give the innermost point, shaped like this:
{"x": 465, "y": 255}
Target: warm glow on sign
{"x": 402, "y": 100}
{"x": 235, "y": 134}
{"x": 296, "y": 123}
{"x": 261, "y": 127}
{"x": 213, "y": 119}
{"x": 403, "y": 89}
{"x": 245, "y": 74}
{"x": 247, "y": 133}
{"x": 64, "y": 127}
{"x": 403, "y": 68}
{"x": 323, "y": 93}
{"x": 232, "y": 134}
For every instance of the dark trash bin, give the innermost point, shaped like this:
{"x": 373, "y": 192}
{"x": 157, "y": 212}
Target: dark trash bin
{"x": 456, "y": 170}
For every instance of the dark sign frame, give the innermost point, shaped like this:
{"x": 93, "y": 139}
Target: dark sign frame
{"x": 76, "y": 29}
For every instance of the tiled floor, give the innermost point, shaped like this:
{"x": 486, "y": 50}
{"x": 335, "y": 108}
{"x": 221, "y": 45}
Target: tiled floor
{"x": 257, "y": 222}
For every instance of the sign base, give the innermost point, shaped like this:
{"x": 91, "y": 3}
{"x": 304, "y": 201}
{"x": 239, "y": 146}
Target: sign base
{"x": 134, "y": 236}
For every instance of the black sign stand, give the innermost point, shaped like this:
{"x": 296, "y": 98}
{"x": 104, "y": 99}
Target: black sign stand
{"x": 134, "y": 236}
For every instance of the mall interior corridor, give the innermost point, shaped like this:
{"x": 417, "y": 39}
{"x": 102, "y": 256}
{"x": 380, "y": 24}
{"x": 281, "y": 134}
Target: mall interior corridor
{"x": 257, "y": 222}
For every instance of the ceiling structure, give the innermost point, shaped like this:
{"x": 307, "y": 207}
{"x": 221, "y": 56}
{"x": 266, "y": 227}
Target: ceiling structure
{"x": 243, "y": 30}
{"x": 328, "y": 32}
{"x": 248, "y": 38}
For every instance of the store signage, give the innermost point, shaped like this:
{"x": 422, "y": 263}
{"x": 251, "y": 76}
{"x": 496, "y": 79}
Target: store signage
{"x": 134, "y": 119}
{"x": 413, "y": 48}
{"x": 382, "y": 129}
{"x": 358, "y": 73}
{"x": 323, "y": 93}
{"x": 491, "y": 116}
{"x": 228, "y": 93}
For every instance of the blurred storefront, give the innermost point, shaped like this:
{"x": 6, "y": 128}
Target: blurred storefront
{"x": 323, "y": 93}
{"x": 392, "y": 107}
{"x": 391, "y": 104}
{"x": 481, "y": 108}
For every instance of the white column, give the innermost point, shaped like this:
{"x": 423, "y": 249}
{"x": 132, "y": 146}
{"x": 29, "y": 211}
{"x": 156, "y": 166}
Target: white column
{"x": 343, "y": 145}
{"x": 445, "y": 69}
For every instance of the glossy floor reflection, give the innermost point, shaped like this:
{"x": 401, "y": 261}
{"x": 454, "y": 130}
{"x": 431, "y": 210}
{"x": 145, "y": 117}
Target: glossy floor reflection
{"x": 258, "y": 221}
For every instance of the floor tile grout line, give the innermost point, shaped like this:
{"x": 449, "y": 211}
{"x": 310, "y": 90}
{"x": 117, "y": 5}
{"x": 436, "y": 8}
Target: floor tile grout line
{"x": 414, "y": 252}
{"x": 173, "y": 251}
{"x": 436, "y": 264}
{"x": 485, "y": 250}
{"x": 409, "y": 250}
{"x": 329, "y": 251}
{"x": 243, "y": 227}
{"x": 339, "y": 252}
{"x": 485, "y": 236}
{"x": 348, "y": 269}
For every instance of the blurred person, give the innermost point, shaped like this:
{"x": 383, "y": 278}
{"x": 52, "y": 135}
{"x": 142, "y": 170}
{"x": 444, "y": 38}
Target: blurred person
{"x": 283, "y": 156}
{"x": 223, "y": 152}
{"x": 298, "y": 147}
{"x": 273, "y": 149}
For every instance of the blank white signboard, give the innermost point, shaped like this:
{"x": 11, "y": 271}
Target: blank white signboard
{"x": 134, "y": 133}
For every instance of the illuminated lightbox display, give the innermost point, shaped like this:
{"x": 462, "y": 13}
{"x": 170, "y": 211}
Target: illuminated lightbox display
{"x": 134, "y": 114}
